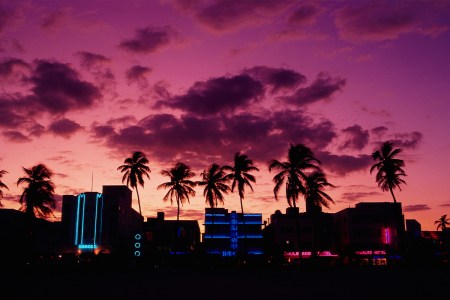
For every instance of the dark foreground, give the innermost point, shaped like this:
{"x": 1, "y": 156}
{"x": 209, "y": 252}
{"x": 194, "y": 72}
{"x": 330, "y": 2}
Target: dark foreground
{"x": 226, "y": 283}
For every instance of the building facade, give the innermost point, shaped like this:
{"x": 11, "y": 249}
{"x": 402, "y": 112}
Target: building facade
{"x": 101, "y": 222}
{"x": 229, "y": 234}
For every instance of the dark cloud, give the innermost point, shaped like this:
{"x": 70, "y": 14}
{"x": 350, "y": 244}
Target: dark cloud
{"x": 138, "y": 74}
{"x": 13, "y": 67}
{"x": 445, "y": 205}
{"x": 416, "y": 207}
{"x": 223, "y": 94}
{"x": 150, "y": 39}
{"x": 358, "y": 196}
{"x": 343, "y": 164}
{"x": 64, "y": 127}
{"x": 90, "y": 60}
{"x": 407, "y": 140}
{"x": 36, "y": 130}
{"x": 322, "y": 88}
{"x": 383, "y": 20}
{"x": 379, "y": 131}
{"x": 220, "y": 16}
{"x": 8, "y": 118}
{"x": 356, "y": 138}
{"x": 16, "y": 137}
{"x": 305, "y": 14}
{"x": 277, "y": 78}
{"x": 59, "y": 89}
{"x": 53, "y": 20}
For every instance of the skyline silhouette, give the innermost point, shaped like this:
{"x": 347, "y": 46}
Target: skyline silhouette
{"x": 85, "y": 84}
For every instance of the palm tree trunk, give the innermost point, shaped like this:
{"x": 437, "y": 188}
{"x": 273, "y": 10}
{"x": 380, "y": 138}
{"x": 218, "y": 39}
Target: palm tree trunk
{"x": 244, "y": 244}
{"x": 392, "y": 193}
{"x": 139, "y": 201}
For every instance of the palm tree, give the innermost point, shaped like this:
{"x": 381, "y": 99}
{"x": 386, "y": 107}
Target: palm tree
{"x": 241, "y": 177}
{"x": 135, "y": 169}
{"x": 389, "y": 169}
{"x": 316, "y": 198}
{"x": 292, "y": 173}
{"x": 216, "y": 184}
{"x": 442, "y": 222}
{"x": 215, "y": 181}
{"x": 2, "y": 185}
{"x": 179, "y": 185}
{"x": 37, "y": 197}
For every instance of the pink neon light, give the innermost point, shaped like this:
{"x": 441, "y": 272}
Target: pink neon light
{"x": 306, "y": 254}
{"x": 387, "y": 236}
{"x": 370, "y": 252}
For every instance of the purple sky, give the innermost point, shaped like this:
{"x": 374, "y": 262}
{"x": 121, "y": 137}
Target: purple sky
{"x": 83, "y": 84}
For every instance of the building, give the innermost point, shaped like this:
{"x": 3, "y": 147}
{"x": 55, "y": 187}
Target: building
{"x": 370, "y": 233}
{"x": 101, "y": 222}
{"x": 292, "y": 234}
{"x": 231, "y": 233}
{"x": 171, "y": 236}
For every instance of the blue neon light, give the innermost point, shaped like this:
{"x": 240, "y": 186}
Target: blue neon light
{"x": 253, "y": 215}
{"x": 95, "y": 220}
{"x": 226, "y": 223}
{"x": 137, "y": 253}
{"x": 216, "y": 215}
{"x": 82, "y": 218}
{"x": 216, "y": 236}
{"x": 233, "y": 232}
{"x": 137, "y": 245}
{"x": 255, "y": 252}
{"x": 251, "y": 236}
{"x": 100, "y": 196}
{"x": 137, "y": 236}
{"x": 87, "y": 246}
{"x": 77, "y": 220}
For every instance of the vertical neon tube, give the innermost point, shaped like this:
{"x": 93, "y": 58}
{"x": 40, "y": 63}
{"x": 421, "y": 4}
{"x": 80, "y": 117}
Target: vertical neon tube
{"x": 82, "y": 219}
{"x": 77, "y": 220}
{"x": 95, "y": 219}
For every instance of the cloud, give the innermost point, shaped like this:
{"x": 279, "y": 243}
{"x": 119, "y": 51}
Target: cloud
{"x": 138, "y": 74}
{"x": 356, "y": 138}
{"x": 149, "y": 40}
{"x": 384, "y": 20}
{"x": 277, "y": 78}
{"x": 379, "y": 131}
{"x": 304, "y": 14}
{"x": 90, "y": 60}
{"x": 407, "y": 140}
{"x": 13, "y": 68}
{"x": 222, "y": 16}
{"x": 322, "y": 88}
{"x": 222, "y": 94}
{"x": 15, "y": 136}
{"x": 343, "y": 164}
{"x": 358, "y": 196}
{"x": 59, "y": 89}
{"x": 64, "y": 127}
{"x": 54, "y": 20}
{"x": 416, "y": 207}
{"x": 445, "y": 205}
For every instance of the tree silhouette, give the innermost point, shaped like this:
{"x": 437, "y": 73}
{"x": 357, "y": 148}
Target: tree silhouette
{"x": 442, "y": 222}
{"x": 180, "y": 186}
{"x": 389, "y": 169}
{"x": 316, "y": 198}
{"x": 135, "y": 168}
{"x": 2, "y": 186}
{"x": 241, "y": 177}
{"x": 292, "y": 173}
{"x": 216, "y": 184}
{"x": 37, "y": 197}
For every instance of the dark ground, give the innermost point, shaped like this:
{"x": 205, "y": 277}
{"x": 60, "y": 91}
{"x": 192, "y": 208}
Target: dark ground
{"x": 352, "y": 282}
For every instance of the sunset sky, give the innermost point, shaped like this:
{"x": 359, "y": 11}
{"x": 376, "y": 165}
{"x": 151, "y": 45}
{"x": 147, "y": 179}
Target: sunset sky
{"x": 83, "y": 84}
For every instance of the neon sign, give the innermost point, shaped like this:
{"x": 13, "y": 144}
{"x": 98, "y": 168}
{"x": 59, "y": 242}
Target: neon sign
{"x": 370, "y": 252}
{"x": 87, "y": 246}
{"x": 306, "y": 254}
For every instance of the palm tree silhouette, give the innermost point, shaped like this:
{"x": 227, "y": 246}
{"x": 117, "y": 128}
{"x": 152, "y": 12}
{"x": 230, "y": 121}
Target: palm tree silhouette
{"x": 292, "y": 173}
{"x": 37, "y": 197}
{"x": 442, "y": 222}
{"x": 180, "y": 186}
{"x": 2, "y": 186}
{"x": 316, "y": 198}
{"x": 135, "y": 168}
{"x": 241, "y": 177}
{"x": 216, "y": 184}
{"x": 389, "y": 169}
